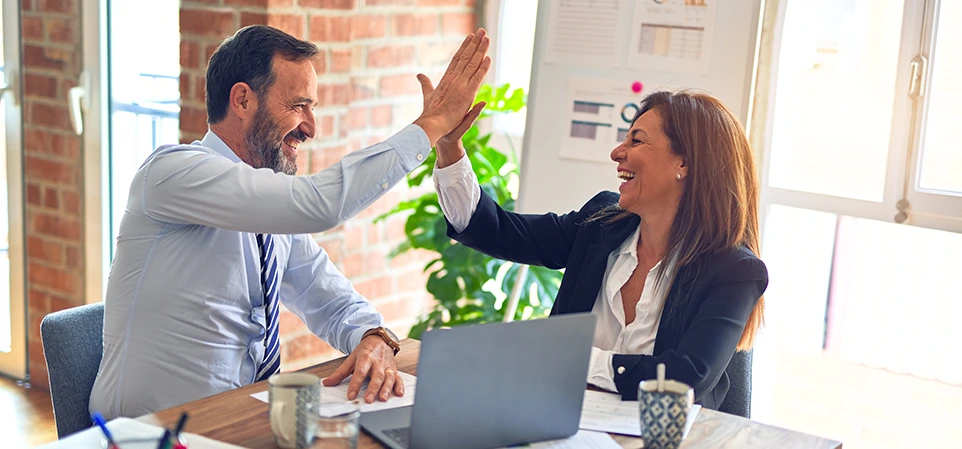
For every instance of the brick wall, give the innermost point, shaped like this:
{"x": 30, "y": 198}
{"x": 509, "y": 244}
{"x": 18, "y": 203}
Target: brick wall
{"x": 52, "y": 167}
{"x": 370, "y": 53}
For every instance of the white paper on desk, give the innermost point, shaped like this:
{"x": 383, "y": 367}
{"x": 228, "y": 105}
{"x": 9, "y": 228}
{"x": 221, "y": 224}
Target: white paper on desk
{"x": 129, "y": 429}
{"x": 584, "y": 439}
{"x": 339, "y": 394}
{"x": 606, "y": 412}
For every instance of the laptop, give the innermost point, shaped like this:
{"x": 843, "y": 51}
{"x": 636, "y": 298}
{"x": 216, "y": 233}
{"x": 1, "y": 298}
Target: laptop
{"x": 493, "y": 385}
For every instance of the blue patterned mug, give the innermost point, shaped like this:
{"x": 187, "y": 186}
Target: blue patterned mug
{"x": 664, "y": 414}
{"x": 293, "y": 397}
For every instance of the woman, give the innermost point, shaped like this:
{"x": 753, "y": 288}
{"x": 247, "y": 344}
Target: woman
{"x": 670, "y": 266}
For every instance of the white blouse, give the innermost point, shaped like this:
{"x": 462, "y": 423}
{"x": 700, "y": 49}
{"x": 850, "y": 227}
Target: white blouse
{"x": 459, "y": 193}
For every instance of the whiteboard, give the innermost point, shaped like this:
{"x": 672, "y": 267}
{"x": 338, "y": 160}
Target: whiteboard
{"x": 552, "y": 180}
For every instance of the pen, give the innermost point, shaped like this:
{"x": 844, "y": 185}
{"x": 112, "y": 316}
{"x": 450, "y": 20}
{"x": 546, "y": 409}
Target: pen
{"x": 180, "y": 426}
{"x": 100, "y": 422}
{"x": 164, "y": 440}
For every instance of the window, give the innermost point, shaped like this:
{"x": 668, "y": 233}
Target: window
{"x": 513, "y": 28}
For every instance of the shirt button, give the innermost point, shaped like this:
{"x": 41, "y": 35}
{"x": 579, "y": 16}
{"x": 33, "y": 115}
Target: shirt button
{"x": 621, "y": 370}
{"x": 420, "y": 156}
{"x": 384, "y": 186}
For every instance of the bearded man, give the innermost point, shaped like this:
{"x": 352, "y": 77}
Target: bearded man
{"x": 216, "y": 233}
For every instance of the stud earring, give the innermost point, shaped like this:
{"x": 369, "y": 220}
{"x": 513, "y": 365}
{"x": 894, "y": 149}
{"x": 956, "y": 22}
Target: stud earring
{"x": 678, "y": 176}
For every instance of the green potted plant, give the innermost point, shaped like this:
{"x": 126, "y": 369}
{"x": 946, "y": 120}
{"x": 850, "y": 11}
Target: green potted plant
{"x": 470, "y": 287}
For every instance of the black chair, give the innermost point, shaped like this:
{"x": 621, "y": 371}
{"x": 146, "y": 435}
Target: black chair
{"x": 738, "y": 401}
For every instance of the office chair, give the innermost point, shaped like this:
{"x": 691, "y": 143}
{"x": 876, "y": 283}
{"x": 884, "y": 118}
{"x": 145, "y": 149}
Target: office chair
{"x": 73, "y": 341}
{"x": 738, "y": 401}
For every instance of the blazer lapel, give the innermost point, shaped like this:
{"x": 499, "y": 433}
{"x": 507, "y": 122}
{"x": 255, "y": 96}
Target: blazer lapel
{"x": 592, "y": 275}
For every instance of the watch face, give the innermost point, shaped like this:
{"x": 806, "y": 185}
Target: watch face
{"x": 391, "y": 334}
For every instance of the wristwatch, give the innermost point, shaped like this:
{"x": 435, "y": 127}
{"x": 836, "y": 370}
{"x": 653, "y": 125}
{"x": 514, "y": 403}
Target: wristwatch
{"x": 385, "y": 335}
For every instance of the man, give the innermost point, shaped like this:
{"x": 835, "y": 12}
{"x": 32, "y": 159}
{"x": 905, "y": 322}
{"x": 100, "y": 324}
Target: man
{"x": 214, "y": 234}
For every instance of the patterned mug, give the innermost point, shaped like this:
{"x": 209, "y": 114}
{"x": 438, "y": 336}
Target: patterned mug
{"x": 292, "y": 398}
{"x": 664, "y": 414}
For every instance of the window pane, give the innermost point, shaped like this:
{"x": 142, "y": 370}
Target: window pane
{"x": 515, "y": 49}
{"x": 941, "y": 167}
{"x": 144, "y": 90}
{"x": 5, "y": 337}
{"x": 834, "y": 96}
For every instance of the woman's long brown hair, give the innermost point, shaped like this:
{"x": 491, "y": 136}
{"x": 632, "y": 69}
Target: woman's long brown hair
{"x": 719, "y": 207}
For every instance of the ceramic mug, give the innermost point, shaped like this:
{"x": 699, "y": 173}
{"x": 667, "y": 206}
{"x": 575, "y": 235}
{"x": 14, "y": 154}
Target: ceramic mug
{"x": 664, "y": 414}
{"x": 292, "y": 398}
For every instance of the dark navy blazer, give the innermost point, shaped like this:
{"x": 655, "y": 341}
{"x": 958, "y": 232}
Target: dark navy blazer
{"x": 705, "y": 312}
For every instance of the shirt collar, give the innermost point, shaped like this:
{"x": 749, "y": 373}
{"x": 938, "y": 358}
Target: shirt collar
{"x": 214, "y": 142}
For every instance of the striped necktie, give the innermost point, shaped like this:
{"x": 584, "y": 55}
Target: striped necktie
{"x": 272, "y": 345}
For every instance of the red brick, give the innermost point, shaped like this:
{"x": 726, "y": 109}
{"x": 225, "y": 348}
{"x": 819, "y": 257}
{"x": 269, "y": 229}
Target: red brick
{"x": 44, "y": 250}
{"x": 457, "y": 23}
{"x": 55, "y": 116}
{"x": 260, "y": 3}
{"x": 357, "y": 118}
{"x": 71, "y": 202}
{"x": 43, "y": 86}
{"x": 209, "y": 51}
{"x": 52, "y": 278}
{"x": 51, "y": 200}
{"x": 341, "y": 59}
{"x": 438, "y": 2}
{"x": 32, "y": 28}
{"x": 430, "y": 54}
{"x": 60, "y": 30}
{"x": 290, "y": 324}
{"x": 323, "y": 158}
{"x": 354, "y": 237}
{"x": 189, "y": 54}
{"x": 58, "y": 6}
{"x": 327, "y": 4}
{"x": 388, "y": 2}
{"x": 320, "y": 62}
{"x": 373, "y": 289}
{"x": 252, "y": 18}
{"x": 43, "y": 58}
{"x": 325, "y": 126}
{"x": 34, "y": 196}
{"x": 368, "y": 27}
{"x": 26, "y": 5}
{"x": 393, "y": 85}
{"x": 303, "y": 346}
{"x": 394, "y": 228}
{"x": 186, "y": 94}
{"x": 390, "y": 56}
{"x": 381, "y": 115}
{"x": 200, "y": 95}
{"x": 415, "y": 280}
{"x": 363, "y": 88}
{"x": 292, "y": 24}
{"x": 333, "y": 248}
{"x": 193, "y": 119}
{"x": 65, "y": 145}
{"x": 330, "y": 29}
{"x": 333, "y": 94}
{"x": 208, "y": 22}
{"x": 415, "y": 24}
{"x": 399, "y": 310}
{"x": 73, "y": 257}
{"x": 54, "y": 226}
{"x": 47, "y": 170}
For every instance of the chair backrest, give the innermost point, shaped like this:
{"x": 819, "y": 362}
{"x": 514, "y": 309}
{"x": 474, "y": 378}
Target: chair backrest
{"x": 739, "y": 398}
{"x": 73, "y": 341}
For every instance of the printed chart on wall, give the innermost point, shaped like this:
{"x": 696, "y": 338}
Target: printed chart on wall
{"x": 599, "y": 116}
{"x": 586, "y": 32}
{"x": 673, "y": 35}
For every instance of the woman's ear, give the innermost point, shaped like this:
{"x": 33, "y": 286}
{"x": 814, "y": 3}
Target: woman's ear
{"x": 682, "y": 170}
{"x": 242, "y": 100}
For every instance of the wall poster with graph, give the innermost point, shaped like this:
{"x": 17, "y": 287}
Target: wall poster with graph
{"x": 599, "y": 113}
{"x": 673, "y": 35}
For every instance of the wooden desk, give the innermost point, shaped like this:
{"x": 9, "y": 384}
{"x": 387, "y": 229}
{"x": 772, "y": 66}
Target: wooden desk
{"x": 235, "y": 417}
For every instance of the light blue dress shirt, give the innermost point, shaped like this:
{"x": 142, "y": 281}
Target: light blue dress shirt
{"x": 185, "y": 315}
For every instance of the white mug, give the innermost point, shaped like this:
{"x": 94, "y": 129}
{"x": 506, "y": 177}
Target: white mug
{"x": 292, "y": 397}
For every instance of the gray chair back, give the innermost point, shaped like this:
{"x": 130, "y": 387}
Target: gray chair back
{"x": 73, "y": 342}
{"x": 739, "y": 398}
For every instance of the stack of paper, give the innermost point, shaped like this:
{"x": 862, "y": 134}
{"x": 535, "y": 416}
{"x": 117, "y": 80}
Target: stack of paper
{"x": 339, "y": 394}
{"x": 606, "y": 412}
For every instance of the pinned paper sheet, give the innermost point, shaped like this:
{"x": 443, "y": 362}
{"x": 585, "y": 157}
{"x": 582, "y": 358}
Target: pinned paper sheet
{"x": 606, "y": 412}
{"x": 673, "y": 35}
{"x": 584, "y": 439}
{"x": 585, "y": 32}
{"x": 599, "y": 114}
{"x": 339, "y": 394}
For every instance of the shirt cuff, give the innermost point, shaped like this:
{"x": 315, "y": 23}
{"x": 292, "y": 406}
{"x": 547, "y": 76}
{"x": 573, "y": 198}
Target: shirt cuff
{"x": 453, "y": 174}
{"x": 412, "y": 144}
{"x": 600, "y": 372}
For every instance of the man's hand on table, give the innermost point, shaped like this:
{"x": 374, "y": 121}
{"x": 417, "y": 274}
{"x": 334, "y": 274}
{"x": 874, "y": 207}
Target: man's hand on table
{"x": 371, "y": 358}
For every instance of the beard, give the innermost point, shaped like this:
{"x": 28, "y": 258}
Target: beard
{"x": 264, "y": 144}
